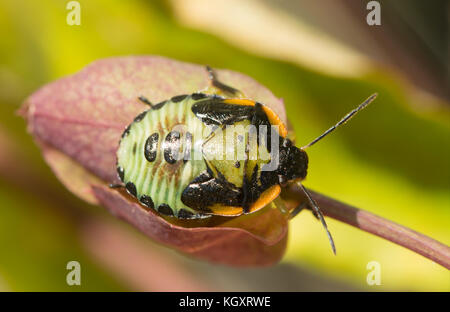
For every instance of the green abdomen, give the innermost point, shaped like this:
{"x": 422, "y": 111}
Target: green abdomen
{"x": 160, "y": 154}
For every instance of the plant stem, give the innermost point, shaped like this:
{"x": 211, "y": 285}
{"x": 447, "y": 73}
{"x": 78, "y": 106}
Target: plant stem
{"x": 379, "y": 226}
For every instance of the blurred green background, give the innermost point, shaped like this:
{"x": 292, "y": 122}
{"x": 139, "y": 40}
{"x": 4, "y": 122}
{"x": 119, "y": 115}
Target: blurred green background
{"x": 392, "y": 160}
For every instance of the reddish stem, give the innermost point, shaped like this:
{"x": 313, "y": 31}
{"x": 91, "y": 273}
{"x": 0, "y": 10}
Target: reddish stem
{"x": 381, "y": 227}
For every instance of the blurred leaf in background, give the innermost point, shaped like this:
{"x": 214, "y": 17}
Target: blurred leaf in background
{"x": 391, "y": 160}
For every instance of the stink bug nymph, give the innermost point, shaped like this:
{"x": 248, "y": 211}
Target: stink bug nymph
{"x": 170, "y": 157}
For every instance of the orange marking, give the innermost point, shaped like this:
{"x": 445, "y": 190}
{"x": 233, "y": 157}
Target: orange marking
{"x": 266, "y": 197}
{"x": 273, "y": 118}
{"x": 221, "y": 210}
{"x": 240, "y": 102}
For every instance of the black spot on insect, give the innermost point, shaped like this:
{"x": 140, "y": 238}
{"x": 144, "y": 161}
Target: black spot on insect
{"x": 147, "y": 201}
{"x": 251, "y": 190}
{"x": 184, "y": 214}
{"x": 205, "y": 190}
{"x": 140, "y": 116}
{"x": 165, "y": 210}
{"x": 240, "y": 138}
{"x": 134, "y": 148}
{"x": 237, "y": 164}
{"x": 159, "y": 105}
{"x": 198, "y": 96}
{"x": 172, "y": 146}
{"x": 121, "y": 173}
{"x": 188, "y": 147}
{"x": 126, "y": 131}
{"x": 245, "y": 192}
{"x": 131, "y": 188}
{"x": 151, "y": 147}
{"x": 213, "y": 111}
{"x": 178, "y": 98}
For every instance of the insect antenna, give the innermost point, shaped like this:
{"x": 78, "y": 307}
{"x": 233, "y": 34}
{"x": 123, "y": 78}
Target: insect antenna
{"x": 319, "y": 215}
{"x": 343, "y": 120}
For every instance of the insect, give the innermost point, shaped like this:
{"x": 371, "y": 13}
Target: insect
{"x": 173, "y": 159}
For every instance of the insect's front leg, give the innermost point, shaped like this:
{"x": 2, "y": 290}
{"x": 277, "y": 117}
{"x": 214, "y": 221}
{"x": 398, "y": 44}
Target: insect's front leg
{"x": 297, "y": 210}
{"x": 280, "y": 205}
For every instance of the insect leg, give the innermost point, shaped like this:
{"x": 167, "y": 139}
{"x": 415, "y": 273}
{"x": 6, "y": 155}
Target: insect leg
{"x": 146, "y": 101}
{"x": 221, "y": 86}
{"x": 116, "y": 186}
{"x": 297, "y": 210}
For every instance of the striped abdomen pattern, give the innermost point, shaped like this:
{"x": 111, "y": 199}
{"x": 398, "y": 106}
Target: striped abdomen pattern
{"x": 155, "y": 156}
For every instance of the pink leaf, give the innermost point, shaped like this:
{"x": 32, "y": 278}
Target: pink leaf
{"x": 78, "y": 121}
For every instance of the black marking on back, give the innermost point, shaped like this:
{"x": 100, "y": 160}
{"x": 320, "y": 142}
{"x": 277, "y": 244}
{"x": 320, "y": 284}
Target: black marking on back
{"x": 267, "y": 179}
{"x": 187, "y": 148}
{"x": 178, "y": 98}
{"x": 140, "y": 116}
{"x": 134, "y": 148}
{"x": 151, "y": 147}
{"x": 121, "y": 173}
{"x": 147, "y": 201}
{"x": 254, "y": 191}
{"x": 245, "y": 184}
{"x": 126, "y": 131}
{"x": 185, "y": 214}
{"x": 165, "y": 210}
{"x": 237, "y": 164}
{"x": 205, "y": 191}
{"x": 159, "y": 105}
{"x": 245, "y": 191}
{"x": 213, "y": 111}
{"x": 198, "y": 96}
{"x": 172, "y": 146}
{"x": 131, "y": 188}
{"x": 260, "y": 119}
